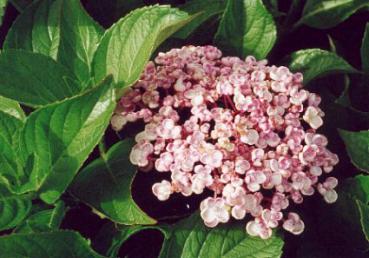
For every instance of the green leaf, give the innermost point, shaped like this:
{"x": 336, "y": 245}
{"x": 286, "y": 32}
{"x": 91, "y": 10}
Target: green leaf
{"x": 14, "y": 208}
{"x": 10, "y": 170}
{"x": 10, "y": 127}
{"x": 191, "y": 238}
{"x": 34, "y": 85}
{"x": 12, "y": 108}
{"x": 313, "y": 63}
{"x": 47, "y": 244}
{"x": 344, "y": 98}
{"x": 365, "y": 50}
{"x": 37, "y": 29}
{"x": 324, "y": 14}
{"x": 203, "y": 11}
{"x": 127, "y": 46}
{"x": 246, "y": 28}
{"x": 358, "y": 188}
{"x": 79, "y": 38}
{"x": 44, "y": 220}
{"x": 106, "y": 186}
{"x": 3, "y": 4}
{"x": 60, "y": 29}
{"x": 364, "y": 217}
{"x": 357, "y": 146}
{"x": 59, "y": 138}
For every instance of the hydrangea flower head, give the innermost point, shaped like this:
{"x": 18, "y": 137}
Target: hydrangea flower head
{"x": 240, "y": 128}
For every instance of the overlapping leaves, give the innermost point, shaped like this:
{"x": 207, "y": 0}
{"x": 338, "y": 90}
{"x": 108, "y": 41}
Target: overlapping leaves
{"x": 46, "y": 244}
{"x": 60, "y": 29}
{"x": 106, "y": 186}
{"x": 328, "y": 13}
{"x": 246, "y": 28}
{"x": 313, "y": 63}
{"x": 125, "y": 57}
{"x": 35, "y": 85}
{"x": 50, "y": 57}
{"x": 43, "y": 220}
{"x": 191, "y": 238}
{"x": 58, "y": 138}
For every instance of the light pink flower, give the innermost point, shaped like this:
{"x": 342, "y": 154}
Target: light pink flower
{"x": 327, "y": 189}
{"x": 258, "y": 228}
{"x": 253, "y": 179}
{"x": 241, "y": 165}
{"x": 168, "y": 130}
{"x": 294, "y": 224}
{"x": 241, "y": 129}
{"x": 212, "y": 157}
{"x": 162, "y": 190}
{"x": 163, "y": 163}
{"x": 214, "y": 211}
{"x": 271, "y": 217}
{"x": 313, "y": 118}
{"x": 140, "y": 153}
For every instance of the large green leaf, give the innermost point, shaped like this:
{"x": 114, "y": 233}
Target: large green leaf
{"x": 325, "y": 14}
{"x": 106, "y": 186}
{"x": 127, "y": 46}
{"x": 9, "y": 125}
{"x": 48, "y": 244}
{"x": 79, "y": 38}
{"x": 11, "y": 122}
{"x": 34, "y": 85}
{"x": 60, "y": 29}
{"x": 12, "y": 108}
{"x": 37, "y": 29}
{"x": 357, "y": 146}
{"x": 10, "y": 169}
{"x": 58, "y": 138}
{"x": 13, "y": 208}
{"x": 44, "y": 220}
{"x": 365, "y": 50}
{"x": 247, "y": 28}
{"x": 191, "y": 238}
{"x": 203, "y": 11}
{"x": 317, "y": 62}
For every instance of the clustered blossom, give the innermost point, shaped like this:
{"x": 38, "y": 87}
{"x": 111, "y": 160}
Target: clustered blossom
{"x": 242, "y": 129}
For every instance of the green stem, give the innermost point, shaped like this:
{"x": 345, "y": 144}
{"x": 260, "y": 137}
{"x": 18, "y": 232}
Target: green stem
{"x": 102, "y": 148}
{"x": 292, "y": 12}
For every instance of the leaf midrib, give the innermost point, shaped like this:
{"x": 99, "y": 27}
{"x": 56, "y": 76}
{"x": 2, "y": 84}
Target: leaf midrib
{"x": 322, "y": 9}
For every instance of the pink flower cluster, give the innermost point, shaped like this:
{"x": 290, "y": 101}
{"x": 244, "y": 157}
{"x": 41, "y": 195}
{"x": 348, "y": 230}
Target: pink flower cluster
{"x": 242, "y": 129}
